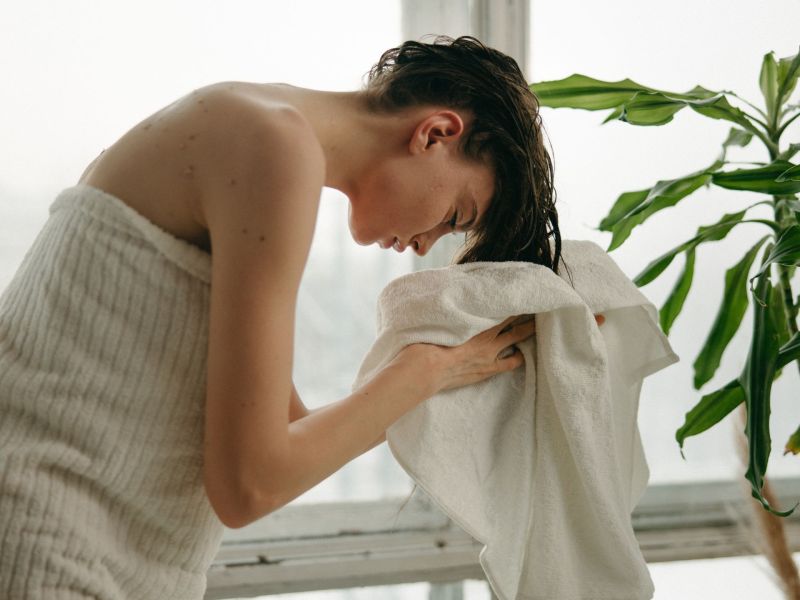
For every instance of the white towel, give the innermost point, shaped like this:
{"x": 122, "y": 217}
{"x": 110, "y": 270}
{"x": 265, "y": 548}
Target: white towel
{"x": 543, "y": 464}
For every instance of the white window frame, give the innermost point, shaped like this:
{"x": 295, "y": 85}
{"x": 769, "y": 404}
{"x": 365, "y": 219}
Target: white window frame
{"x": 353, "y": 544}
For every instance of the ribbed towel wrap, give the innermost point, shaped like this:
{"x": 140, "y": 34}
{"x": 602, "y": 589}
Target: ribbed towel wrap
{"x": 103, "y": 345}
{"x": 544, "y": 464}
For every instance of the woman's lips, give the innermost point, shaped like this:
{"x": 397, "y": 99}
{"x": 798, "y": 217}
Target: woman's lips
{"x": 394, "y": 243}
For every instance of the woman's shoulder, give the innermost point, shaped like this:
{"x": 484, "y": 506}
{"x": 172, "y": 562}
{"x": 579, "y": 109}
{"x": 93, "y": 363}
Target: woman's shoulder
{"x": 170, "y": 165}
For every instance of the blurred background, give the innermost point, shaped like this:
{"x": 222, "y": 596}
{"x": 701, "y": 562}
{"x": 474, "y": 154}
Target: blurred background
{"x": 77, "y": 75}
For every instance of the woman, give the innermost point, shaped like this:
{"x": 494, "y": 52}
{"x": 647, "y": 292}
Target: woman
{"x": 145, "y": 387}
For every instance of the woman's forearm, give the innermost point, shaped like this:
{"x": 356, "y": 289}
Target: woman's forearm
{"x": 332, "y": 435}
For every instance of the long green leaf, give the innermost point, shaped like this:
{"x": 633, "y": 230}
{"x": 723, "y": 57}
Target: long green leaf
{"x": 580, "y": 91}
{"x": 790, "y": 174}
{"x": 650, "y": 108}
{"x": 623, "y": 205}
{"x": 762, "y": 179}
{"x": 658, "y": 108}
{"x": 768, "y": 82}
{"x": 756, "y": 380}
{"x": 718, "y": 107}
{"x": 786, "y": 251}
{"x": 711, "y": 409}
{"x": 715, "y": 406}
{"x": 663, "y": 194}
{"x": 674, "y": 303}
{"x": 728, "y": 319}
{"x": 714, "y": 232}
{"x": 788, "y": 72}
{"x": 789, "y": 352}
{"x": 778, "y": 308}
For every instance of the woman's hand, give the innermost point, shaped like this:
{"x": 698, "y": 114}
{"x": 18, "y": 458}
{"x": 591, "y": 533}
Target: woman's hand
{"x": 488, "y": 353}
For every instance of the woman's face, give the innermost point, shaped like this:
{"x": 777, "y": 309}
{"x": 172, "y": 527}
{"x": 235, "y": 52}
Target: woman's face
{"x": 412, "y": 197}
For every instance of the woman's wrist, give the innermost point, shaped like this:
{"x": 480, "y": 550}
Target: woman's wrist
{"x": 427, "y": 365}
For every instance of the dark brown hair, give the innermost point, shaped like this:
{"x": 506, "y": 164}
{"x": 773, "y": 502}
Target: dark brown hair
{"x": 505, "y": 132}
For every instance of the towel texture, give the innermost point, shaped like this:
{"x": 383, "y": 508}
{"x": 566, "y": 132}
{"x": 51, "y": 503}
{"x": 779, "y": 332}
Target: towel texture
{"x": 544, "y": 464}
{"x": 103, "y": 345}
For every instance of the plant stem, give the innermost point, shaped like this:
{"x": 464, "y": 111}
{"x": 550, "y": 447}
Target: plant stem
{"x": 790, "y": 307}
{"x": 784, "y": 218}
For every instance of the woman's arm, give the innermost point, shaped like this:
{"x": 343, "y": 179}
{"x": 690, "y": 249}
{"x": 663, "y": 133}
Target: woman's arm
{"x": 261, "y": 177}
{"x": 333, "y": 435}
{"x": 297, "y": 410}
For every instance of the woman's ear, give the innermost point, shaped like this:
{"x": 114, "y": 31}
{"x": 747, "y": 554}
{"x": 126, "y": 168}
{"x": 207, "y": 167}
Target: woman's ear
{"x": 442, "y": 126}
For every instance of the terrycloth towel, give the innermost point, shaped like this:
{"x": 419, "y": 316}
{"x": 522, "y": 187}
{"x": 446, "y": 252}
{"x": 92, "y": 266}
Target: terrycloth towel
{"x": 543, "y": 464}
{"x": 103, "y": 345}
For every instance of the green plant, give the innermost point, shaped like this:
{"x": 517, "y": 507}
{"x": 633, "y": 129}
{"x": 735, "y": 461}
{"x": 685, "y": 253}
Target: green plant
{"x": 775, "y": 341}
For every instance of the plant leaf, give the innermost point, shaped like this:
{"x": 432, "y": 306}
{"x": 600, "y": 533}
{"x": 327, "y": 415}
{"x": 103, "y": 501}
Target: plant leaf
{"x": 711, "y": 409}
{"x": 674, "y": 303}
{"x": 663, "y": 194}
{"x": 632, "y": 102}
{"x": 789, "y": 352}
{"x": 613, "y": 115}
{"x": 650, "y": 108}
{"x": 756, "y": 380}
{"x": 658, "y": 108}
{"x": 761, "y": 179}
{"x": 790, "y": 174}
{"x": 580, "y": 91}
{"x": 789, "y": 152}
{"x": 777, "y": 307}
{"x": 786, "y": 251}
{"x": 788, "y": 71}
{"x": 728, "y": 319}
{"x": 714, "y": 232}
{"x": 718, "y": 107}
{"x": 768, "y": 82}
{"x": 793, "y": 443}
{"x": 737, "y": 137}
{"x": 623, "y": 205}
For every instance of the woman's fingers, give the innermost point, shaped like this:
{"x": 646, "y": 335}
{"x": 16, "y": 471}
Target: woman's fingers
{"x": 506, "y": 326}
{"x": 523, "y": 330}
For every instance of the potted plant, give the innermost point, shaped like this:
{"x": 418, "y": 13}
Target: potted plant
{"x": 775, "y": 342}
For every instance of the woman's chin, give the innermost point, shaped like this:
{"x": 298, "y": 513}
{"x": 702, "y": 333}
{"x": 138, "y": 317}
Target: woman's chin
{"x": 361, "y": 239}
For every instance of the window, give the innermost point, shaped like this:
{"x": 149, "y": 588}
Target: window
{"x": 81, "y": 75}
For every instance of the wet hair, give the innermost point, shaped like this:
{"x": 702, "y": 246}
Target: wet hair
{"x": 505, "y": 133}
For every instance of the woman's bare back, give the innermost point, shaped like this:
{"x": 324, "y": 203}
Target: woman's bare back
{"x": 154, "y": 166}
